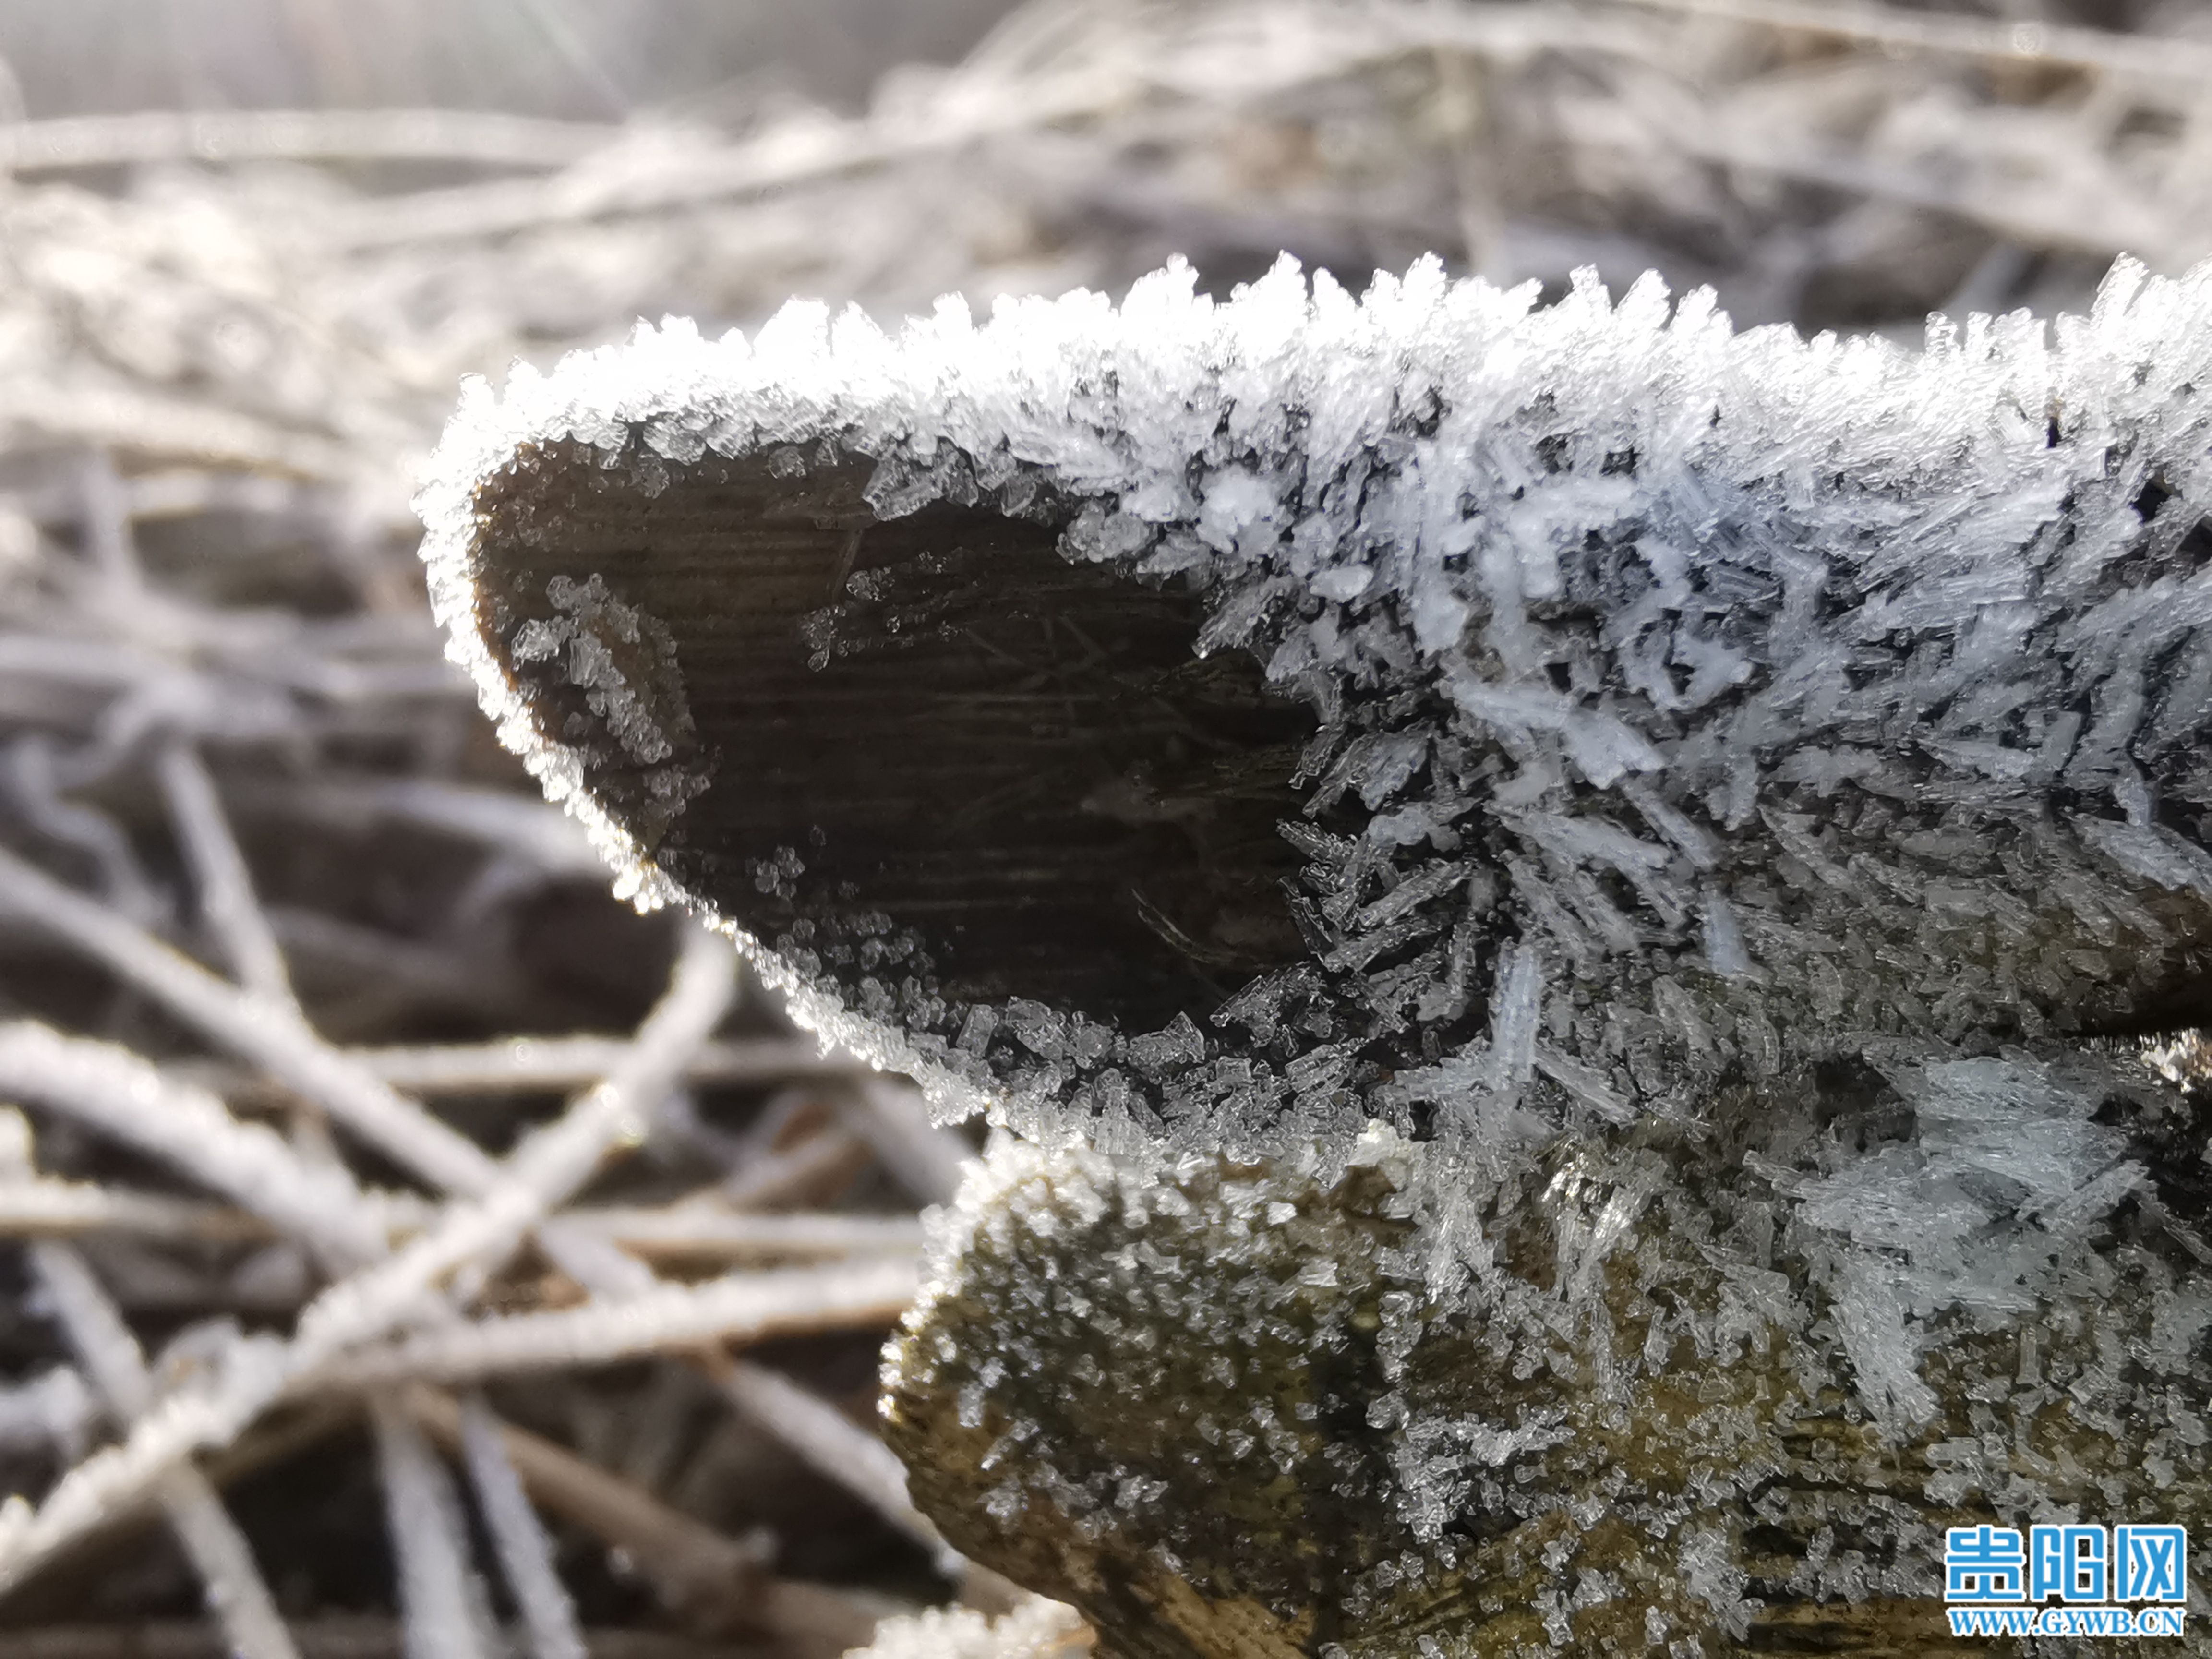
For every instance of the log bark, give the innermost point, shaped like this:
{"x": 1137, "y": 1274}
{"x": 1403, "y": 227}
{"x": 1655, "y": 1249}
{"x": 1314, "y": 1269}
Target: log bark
{"x": 1232, "y": 1411}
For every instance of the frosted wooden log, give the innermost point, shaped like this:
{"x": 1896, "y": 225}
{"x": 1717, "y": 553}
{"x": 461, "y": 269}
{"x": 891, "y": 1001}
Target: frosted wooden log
{"x": 1167, "y": 721}
{"x": 1601, "y": 916}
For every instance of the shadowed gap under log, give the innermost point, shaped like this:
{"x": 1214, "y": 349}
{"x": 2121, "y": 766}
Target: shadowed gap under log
{"x": 934, "y": 719}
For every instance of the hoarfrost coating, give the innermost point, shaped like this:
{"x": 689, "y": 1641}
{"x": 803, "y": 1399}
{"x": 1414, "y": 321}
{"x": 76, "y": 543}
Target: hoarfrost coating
{"x": 1687, "y": 708}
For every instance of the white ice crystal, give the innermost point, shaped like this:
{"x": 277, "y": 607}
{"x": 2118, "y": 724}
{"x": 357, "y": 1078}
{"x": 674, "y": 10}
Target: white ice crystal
{"x": 1032, "y": 1629}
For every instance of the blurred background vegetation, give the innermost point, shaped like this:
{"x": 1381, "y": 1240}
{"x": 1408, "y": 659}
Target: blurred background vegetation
{"x": 581, "y": 59}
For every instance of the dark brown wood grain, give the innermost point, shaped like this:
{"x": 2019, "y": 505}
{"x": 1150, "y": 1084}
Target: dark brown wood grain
{"x": 934, "y": 718}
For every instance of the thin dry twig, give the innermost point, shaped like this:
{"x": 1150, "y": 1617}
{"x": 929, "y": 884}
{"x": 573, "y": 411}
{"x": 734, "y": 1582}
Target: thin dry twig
{"x": 330, "y": 1637}
{"x": 2186, "y": 63}
{"x": 232, "y": 913}
{"x": 221, "y": 136}
{"x": 829, "y": 1440}
{"x": 235, "y": 1589}
{"x": 530, "y": 1064}
{"x": 526, "y": 1551}
{"x": 445, "y": 1613}
{"x": 750, "y": 1307}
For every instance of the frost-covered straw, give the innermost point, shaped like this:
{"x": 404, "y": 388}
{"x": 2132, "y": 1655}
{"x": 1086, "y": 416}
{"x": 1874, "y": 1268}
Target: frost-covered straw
{"x": 111, "y": 1090}
{"x": 273, "y": 1036}
{"x": 696, "y": 1570}
{"x": 321, "y": 1205}
{"x": 277, "y": 1038}
{"x": 41, "y": 1208}
{"x": 526, "y": 1551}
{"x": 445, "y": 1613}
{"x": 54, "y": 1410}
{"x": 236, "y": 1592}
{"x": 831, "y": 1441}
{"x": 747, "y": 1307}
{"x": 926, "y": 1158}
{"x": 523, "y": 1064}
{"x": 77, "y": 142}
{"x": 774, "y": 1177}
{"x": 227, "y": 901}
{"x": 699, "y": 994}
{"x": 2138, "y": 57}
{"x": 348, "y": 1312}
{"x": 550, "y": 1166}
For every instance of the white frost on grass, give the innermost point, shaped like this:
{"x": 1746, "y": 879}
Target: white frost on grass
{"x": 443, "y": 1609}
{"x": 526, "y": 1549}
{"x": 236, "y": 1593}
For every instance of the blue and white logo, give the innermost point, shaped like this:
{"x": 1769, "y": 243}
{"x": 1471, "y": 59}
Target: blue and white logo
{"x": 2128, "y": 1580}
{"x": 1984, "y": 1564}
{"x": 2152, "y": 1562}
